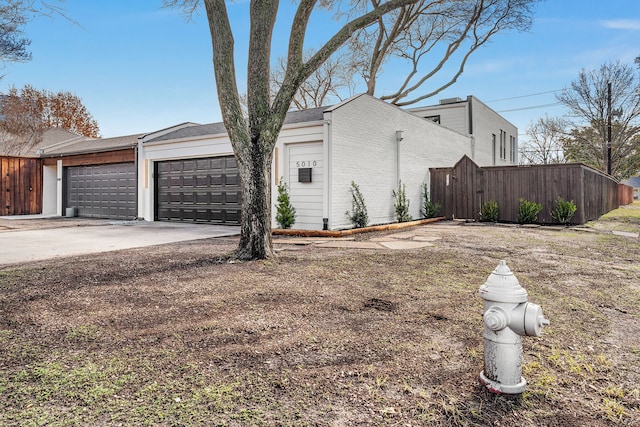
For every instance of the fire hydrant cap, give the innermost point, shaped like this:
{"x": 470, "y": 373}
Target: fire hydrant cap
{"x": 527, "y": 320}
{"x": 503, "y": 286}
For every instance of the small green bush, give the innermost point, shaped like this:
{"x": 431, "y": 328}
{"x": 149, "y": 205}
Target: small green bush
{"x": 286, "y": 213}
{"x": 490, "y": 211}
{"x": 358, "y": 215}
{"x": 401, "y": 204}
{"x": 528, "y": 212}
{"x": 429, "y": 209}
{"x": 563, "y": 211}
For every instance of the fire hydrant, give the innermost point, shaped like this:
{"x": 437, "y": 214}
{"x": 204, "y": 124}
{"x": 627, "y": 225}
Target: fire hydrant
{"x": 507, "y": 317}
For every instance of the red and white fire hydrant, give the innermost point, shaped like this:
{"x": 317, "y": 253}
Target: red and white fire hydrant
{"x": 507, "y": 317}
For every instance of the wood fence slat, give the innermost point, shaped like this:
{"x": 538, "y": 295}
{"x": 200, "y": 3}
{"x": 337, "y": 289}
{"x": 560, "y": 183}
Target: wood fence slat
{"x": 469, "y": 186}
{"x": 20, "y": 186}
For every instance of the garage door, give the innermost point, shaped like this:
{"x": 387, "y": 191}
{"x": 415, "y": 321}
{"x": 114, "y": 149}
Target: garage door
{"x": 102, "y": 191}
{"x": 201, "y": 190}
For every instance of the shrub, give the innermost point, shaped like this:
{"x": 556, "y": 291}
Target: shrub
{"x": 429, "y": 209}
{"x": 490, "y": 211}
{"x": 401, "y": 204}
{"x": 528, "y": 212}
{"x": 358, "y": 216}
{"x": 286, "y": 213}
{"x": 563, "y": 211}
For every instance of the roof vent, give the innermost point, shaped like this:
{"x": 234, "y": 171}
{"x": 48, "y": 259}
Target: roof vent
{"x": 450, "y": 101}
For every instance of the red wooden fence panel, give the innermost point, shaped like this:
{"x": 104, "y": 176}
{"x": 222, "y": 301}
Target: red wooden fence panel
{"x": 625, "y": 194}
{"x": 20, "y": 186}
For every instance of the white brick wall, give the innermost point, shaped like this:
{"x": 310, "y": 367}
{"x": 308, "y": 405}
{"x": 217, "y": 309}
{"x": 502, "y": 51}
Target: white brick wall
{"x": 363, "y": 150}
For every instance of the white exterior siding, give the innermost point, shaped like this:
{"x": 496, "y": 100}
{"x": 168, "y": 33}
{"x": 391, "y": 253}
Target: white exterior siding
{"x": 363, "y": 149}
{"x": 306, "y": 197}
{"x": 304, "y": 143}
{"x": 472, "y": 117}
{"x": 50, "y": 190}
{"x": 452, "y": 116}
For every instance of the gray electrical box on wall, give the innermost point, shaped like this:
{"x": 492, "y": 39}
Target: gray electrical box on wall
{"x": 304, "y": 174}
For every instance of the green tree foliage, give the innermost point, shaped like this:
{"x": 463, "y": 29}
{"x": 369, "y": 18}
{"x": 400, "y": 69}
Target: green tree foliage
{"x": 528, "y": 211}
{"x": 285, "y": 212}
{"x": 585, "y": 145}
{"x": 563, "y": 210}
{"x": 401, "y": 203}
{"x": 358, "y": 215}
{"x": 429, "y": 208}
{"x": 490, "y": 211}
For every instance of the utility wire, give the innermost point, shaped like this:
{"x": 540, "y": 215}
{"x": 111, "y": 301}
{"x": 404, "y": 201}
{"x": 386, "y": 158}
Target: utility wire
{"x": 524, "y": 96}
{"x": 531, "y": 107}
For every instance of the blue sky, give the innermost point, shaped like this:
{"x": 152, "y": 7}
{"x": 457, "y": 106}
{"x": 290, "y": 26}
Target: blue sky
{"x": 140, "y": 68}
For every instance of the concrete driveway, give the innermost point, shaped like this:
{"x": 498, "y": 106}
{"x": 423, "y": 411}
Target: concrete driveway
{"x": 33, "y": 243}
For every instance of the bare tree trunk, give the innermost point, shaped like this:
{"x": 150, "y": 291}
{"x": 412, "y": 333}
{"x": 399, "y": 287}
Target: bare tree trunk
{"x": 254, "y": 139}
{"x": 255, "y": 235}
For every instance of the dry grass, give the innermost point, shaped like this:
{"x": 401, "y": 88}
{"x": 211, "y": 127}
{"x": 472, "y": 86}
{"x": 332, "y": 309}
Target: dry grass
{"x": 626, "y": 218}
{"x": 179, "y": 335}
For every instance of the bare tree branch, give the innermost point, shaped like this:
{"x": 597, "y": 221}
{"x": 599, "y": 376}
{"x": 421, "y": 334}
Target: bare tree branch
{"x": 403, "y": 36}
{"x": 416, "y": 34}
{"x": 587, "y": 98}
{"x": 545, "y": 142}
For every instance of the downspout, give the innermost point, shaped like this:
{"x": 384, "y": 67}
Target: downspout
{"x": 135, "y": 163}
{"x": 470, "y": 120}
{"x": 59, "y": 187}
{"x": 399, "y": 137}
{"x": 326, "y": 156}
{"x": 470, "y": 111}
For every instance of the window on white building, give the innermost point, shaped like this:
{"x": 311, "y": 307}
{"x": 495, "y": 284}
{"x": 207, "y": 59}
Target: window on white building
{"x": 435, "y": 119}
{"x": 493, "y": 147}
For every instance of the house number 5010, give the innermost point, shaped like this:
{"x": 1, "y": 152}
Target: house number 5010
{"x": 306, "y": 164}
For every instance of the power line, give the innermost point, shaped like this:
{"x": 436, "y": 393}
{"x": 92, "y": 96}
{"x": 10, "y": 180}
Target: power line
{"x": 524, "y": 96}
{"x": 531, "y": 107}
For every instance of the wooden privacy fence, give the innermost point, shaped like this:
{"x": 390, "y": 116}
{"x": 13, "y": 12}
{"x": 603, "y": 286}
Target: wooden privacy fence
{"x": 20, "y": 186}
{"x": 625, "y": 194}
{"x": 464, "y": 188}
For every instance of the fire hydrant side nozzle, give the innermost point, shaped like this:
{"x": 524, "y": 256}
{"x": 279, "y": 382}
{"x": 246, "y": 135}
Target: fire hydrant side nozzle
{"x": 507, "y": 317}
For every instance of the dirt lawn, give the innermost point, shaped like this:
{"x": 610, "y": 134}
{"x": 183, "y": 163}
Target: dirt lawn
{"x": 180, "y": 335}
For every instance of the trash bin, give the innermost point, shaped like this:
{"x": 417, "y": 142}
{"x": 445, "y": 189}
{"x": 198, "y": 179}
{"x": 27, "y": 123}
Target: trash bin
{"x": 71, "y": 212}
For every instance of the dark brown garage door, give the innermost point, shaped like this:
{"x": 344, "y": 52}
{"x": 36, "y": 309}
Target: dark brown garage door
{"x": 102, "y": 191}
{"x": 201, "y": 190}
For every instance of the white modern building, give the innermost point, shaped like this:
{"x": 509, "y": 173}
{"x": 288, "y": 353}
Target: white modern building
{"x": 495, "y": 139}
{"x": 188, "y": 172}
